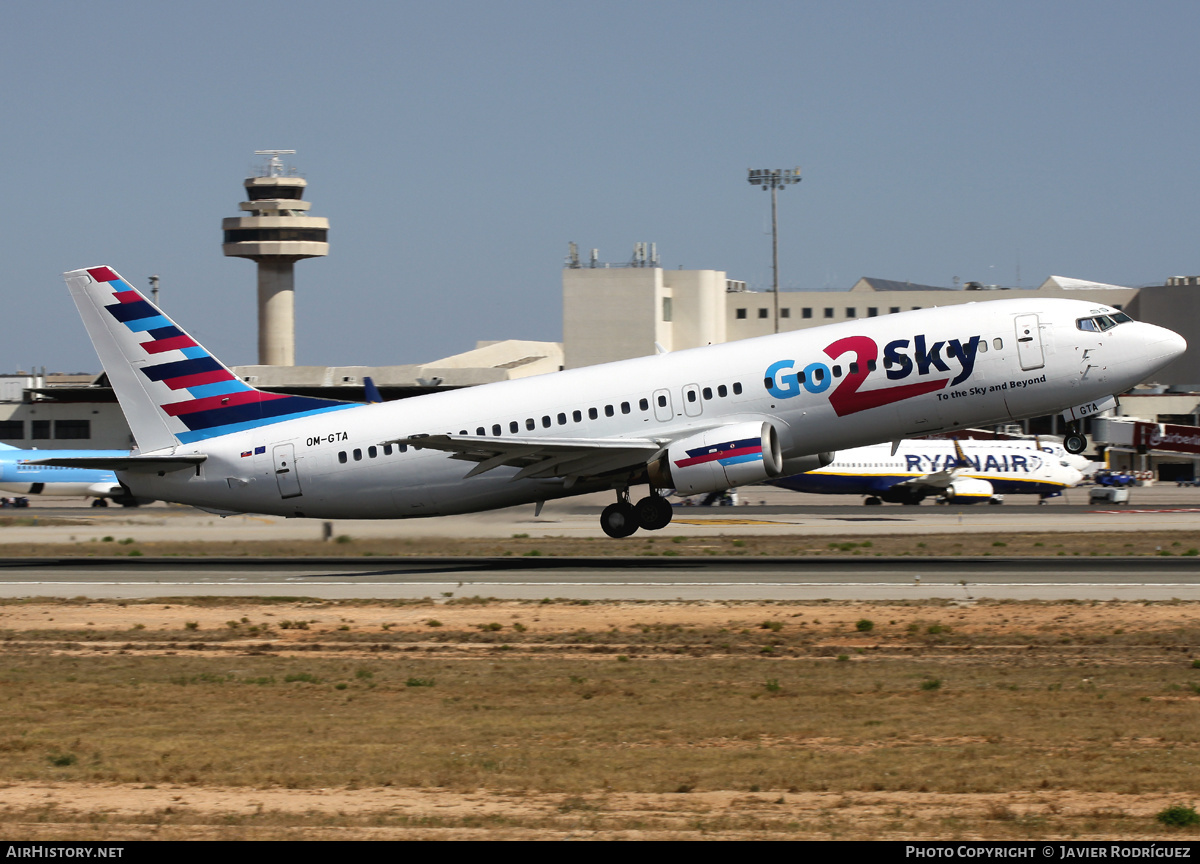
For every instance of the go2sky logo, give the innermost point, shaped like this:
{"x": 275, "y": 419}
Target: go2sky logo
{"x": 899, "y": 362}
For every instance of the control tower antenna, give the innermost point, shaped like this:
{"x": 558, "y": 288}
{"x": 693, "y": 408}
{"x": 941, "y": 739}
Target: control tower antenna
{"x": 276, "y": 233}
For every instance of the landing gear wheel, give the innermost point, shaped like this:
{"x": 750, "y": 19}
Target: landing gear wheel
{"x": 873, "y": 502}
{"x": 1075, "y": 443}
{"x": 99, "y": 502}
{"x": 653, "y": 513}
{"x": 619, "y": 520}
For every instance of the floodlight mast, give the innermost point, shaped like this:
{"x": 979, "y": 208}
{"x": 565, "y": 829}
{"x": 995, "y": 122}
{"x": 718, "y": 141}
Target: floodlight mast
{"x": 774, "y": 179}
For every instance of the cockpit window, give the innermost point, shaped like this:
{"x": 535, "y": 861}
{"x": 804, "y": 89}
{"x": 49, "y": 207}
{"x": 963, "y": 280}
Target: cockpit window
{"x": 1100, "y": 323}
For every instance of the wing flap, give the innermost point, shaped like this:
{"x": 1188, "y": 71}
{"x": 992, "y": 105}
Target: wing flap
{"x": 541, "y": 457}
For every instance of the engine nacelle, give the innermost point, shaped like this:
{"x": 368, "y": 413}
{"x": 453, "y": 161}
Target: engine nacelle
{"x": 969, "y": 491}
{"x": 804, "y": 464}
{"x": 721, "y": 458}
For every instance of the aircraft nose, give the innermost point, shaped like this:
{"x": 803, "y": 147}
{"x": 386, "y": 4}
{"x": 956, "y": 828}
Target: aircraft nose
{"x": 1165, "y": 345}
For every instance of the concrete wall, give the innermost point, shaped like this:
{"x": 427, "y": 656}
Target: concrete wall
{"x": 613, "y": 313}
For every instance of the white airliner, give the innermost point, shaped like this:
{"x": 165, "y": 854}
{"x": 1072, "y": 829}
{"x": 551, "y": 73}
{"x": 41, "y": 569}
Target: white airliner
{"x": 699, "y": 420}
{"x": 963, "y": 472}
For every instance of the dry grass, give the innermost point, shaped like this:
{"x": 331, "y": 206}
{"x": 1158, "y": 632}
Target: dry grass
{"x": 618, "y": 719}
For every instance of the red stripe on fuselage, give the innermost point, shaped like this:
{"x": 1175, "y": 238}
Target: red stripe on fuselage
{"x": 719, "y": 454}
{"x": 197, "y": 379}
{"x": 103, "y": 274}
{"x": 228, "y": 400}
{"x": 158, "y": 346}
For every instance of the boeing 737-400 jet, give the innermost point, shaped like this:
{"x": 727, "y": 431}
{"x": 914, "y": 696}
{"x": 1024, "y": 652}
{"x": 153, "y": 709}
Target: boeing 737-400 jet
{"x": 699, "y": 420}
{"x": 961, "y": 472}
{"x": 23, "y": 474}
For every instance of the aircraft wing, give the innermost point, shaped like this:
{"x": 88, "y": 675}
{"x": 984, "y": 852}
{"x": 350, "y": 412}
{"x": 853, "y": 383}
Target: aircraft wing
{"x": 146, "y": 464}
{"x": 571, "y": 458}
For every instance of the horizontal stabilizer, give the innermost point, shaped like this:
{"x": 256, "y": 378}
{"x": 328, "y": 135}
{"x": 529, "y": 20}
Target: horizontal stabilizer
{"x": 139, "y": 464}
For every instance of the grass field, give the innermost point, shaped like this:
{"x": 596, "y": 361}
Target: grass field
{"x": 469, "y": 717}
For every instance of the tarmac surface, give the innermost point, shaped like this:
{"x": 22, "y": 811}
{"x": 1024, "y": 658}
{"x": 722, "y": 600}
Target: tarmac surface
{"x": 764, "y": 511}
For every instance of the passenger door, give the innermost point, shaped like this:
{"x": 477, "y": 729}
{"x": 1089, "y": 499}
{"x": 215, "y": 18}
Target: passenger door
{"x": 1029, "y": 343}
{"x": 285, "y": 471}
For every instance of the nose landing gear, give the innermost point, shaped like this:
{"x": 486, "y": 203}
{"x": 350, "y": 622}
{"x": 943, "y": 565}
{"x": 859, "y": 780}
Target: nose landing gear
{"x": 622, "y": 518}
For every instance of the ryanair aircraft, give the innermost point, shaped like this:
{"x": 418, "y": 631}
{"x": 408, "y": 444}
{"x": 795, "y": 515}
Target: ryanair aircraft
{"x": 960, "y": 472}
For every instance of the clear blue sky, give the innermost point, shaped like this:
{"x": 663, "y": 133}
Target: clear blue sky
{"x": 457, "y": 147}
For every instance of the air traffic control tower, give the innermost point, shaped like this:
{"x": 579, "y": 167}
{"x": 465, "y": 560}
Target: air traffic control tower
{"x": 276, "y": 233}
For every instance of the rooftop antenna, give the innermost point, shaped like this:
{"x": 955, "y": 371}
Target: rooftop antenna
{"x": 154, "y": 289}
{"x": 274, "y": 166}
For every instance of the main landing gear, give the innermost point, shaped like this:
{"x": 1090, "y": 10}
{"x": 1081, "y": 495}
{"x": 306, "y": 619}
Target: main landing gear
{"x": 622, "y": 518}
{"x": 1074, "y": 441}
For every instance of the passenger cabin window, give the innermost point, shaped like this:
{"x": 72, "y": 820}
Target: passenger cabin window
{"x": 546, "y": 421}
{"x": 625, "y": 409}
{"x": 707, "y": 393}
{"x": 357, "y": 455}
{"x": 722, "y": 391}
{"x": 495, "y": 430}
{"x": 372, "y": 452}
{"x": 562, "y": 419}
{"x": 737, "y": 388}
{"x": 644, "y": 404}
{"x": 608, "y": 411}
{"x": 529, "y": 424}
{"x": 997, "y": 343}
{"x": 577, "y": 416}
{"x": 480, "y": 431}
{"x": 593, "y": 413}
{"x": 513, "y": 427}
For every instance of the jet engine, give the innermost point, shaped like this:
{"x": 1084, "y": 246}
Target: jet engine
{"x": 967, "y": 490}
{"x": 721, "y": 458}
{"x": 804, "y": 464}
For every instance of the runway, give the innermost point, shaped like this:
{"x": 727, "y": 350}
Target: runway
{"x": 765, "y": 512}
{"x": 598, "y": 579}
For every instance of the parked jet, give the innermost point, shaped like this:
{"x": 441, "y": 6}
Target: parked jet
{"x": 696, "y": 421}
{"x": 962, "y": 472}
{"x": 23, "y": 472}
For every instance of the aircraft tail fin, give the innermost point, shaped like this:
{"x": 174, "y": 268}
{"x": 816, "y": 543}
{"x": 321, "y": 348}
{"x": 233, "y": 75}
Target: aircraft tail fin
{"x": 172, "y": 390}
